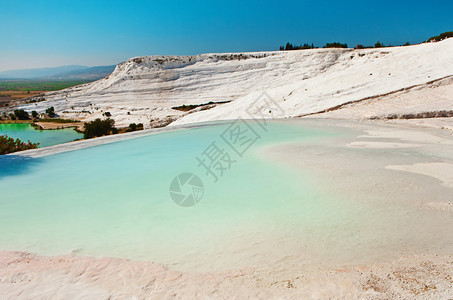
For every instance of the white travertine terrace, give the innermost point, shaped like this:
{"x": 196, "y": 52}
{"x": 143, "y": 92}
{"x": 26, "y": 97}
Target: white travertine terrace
{"x": 302, "y": 82}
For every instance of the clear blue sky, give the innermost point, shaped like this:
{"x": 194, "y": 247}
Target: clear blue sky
{"x": 90, "y": 32}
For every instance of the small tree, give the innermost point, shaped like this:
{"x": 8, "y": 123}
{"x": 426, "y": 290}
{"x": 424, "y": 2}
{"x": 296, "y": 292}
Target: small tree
{"x": 133, "y": 126}
{"x": 34, "y": 114}
{"x": 51, "y": 112}
{"x": 98, "y": 127}
{"x": 21, "y": 114}
{"x": 378, "y": 45}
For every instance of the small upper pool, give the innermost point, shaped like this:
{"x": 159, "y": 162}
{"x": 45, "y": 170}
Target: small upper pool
{"x": 45, "y": 138}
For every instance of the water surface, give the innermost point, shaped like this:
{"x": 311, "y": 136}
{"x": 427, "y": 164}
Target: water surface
{"x": 113, "y": 200}
{"x": 45, "y": 138}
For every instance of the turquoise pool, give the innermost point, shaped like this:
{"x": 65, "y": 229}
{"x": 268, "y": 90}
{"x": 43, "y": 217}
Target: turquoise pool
{"x": 26, "y": 132}
{"x": 113, "y": 200}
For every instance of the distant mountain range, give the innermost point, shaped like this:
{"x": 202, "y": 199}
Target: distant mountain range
{"x": 60, "y": 73}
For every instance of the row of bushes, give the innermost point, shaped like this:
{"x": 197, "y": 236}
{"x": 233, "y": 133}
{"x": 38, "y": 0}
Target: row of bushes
{"x": 134, "y": 127}
{"x": 441, "y": 37}
{"x": 20, "y": 114}
{"x": 335, "y": 45}
{"x": 290, "y": 46}
{"x": 378, "y": 44}
{"x": 10, "y": 145}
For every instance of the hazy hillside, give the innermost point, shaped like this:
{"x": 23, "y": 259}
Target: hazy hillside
{"x": 88, "y": 73}
{"x": 60, "y": 73}
{"x": 299, "y": 82}
{"x": 39, "y": 72}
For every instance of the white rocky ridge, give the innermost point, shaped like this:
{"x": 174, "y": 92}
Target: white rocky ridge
{"x": 300, "y": 82}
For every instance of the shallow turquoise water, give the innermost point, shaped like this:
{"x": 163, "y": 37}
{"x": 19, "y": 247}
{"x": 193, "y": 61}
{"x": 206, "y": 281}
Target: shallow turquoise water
{"x": 45, "y": 138}
{"x": 113, "y": 200}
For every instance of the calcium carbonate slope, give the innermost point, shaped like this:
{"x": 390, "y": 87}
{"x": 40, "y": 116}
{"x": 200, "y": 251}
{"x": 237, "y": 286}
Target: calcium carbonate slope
{"x": 143, "y": 89}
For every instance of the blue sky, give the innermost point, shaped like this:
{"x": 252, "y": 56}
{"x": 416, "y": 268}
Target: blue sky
{"x": 52, "y": 33}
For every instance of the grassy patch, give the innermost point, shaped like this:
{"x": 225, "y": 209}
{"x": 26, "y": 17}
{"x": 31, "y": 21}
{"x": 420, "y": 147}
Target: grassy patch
{"x": 185, "y": 107}
{"x": 192, "y": 106}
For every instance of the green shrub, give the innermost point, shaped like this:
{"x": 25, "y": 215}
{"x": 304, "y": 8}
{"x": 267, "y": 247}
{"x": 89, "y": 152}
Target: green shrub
{"x": 98, "y": 127}
{"x": 133, "y": 126}
{"x": 378, "y": 45}
{"x": 34, "y": 114}
{"x": 51, "y": 112}
{"x": 10, "y": 145}
{"x": 21, "y": 114}
{"x": 336, "y": 45}
{"x": 290, "y": 46}
{"x": 441, "y": 36}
